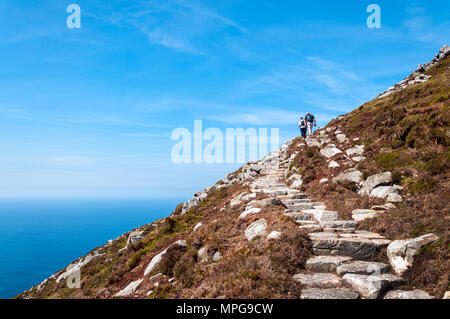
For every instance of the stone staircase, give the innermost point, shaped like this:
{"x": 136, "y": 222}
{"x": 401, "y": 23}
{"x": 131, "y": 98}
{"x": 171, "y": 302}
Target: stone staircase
{"x": 343, "y": 265}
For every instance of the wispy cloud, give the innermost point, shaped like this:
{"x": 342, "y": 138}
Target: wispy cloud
{"x": 265, "y": 117}
{"x": 421, "y": 26}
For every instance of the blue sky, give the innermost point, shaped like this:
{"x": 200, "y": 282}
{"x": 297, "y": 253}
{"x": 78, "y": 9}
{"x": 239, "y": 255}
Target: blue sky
{"x": 90, "y": 111}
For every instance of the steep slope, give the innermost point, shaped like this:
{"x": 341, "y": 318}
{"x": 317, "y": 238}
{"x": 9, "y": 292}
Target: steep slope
{"x": 320, "y": 218}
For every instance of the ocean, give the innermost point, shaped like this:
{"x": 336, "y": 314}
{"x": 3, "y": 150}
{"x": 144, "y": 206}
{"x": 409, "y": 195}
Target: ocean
{"x": 41, "y": 236}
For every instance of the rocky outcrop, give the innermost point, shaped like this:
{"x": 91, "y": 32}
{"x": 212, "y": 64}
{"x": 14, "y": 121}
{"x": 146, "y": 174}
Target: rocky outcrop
{"x": 418, "y": 76}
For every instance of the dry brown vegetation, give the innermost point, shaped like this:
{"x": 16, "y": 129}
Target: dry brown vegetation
{"x": 406, "y": 133}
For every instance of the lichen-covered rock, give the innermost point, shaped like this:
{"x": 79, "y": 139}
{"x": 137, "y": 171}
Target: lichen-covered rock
{"x": 256, "y": 229}
{"x": 401, "y": 252}
{"x": 352, "y": 175}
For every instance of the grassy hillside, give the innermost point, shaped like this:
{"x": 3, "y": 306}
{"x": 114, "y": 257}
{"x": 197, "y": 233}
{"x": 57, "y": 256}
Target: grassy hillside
{"x": 406, "y": 133}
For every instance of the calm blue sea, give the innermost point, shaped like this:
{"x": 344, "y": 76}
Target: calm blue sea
{"x": 41, "y": 236}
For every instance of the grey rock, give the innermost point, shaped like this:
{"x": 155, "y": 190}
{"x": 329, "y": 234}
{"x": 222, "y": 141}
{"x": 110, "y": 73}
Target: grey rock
{"x": 401, "y": 253}
{"x": 402, "y": 294}
{"x": 130, "y": 289}
{"x": 330, "y": 293}
{"x": 318, "y": 280}
{"x": 257, "y": 228}
{"x": 373, "y": 181}
{"x": 275, "y": 235}
{"x": 371, "y": 287}
{"x": 358, "y": 150}
{"x": 326, "y": 263}
{"x": 322, "y": 215}
{"x": 217, "y": 256}
{"x": 351, "y": 175}
{"x": 250, "y": 211}
{"x": 329, "y": 152}
{"x": 332, "y": 244}
{"x": 362, "y": 268}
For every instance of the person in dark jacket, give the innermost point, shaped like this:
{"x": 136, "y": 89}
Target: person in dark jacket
{"x": 302, "y": 127}
{"x": 310, "y": 121}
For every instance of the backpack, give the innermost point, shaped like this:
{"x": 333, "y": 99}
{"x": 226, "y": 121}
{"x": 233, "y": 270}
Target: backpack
{"x": 309, "y": 118}
{"x": 301, "y": 124}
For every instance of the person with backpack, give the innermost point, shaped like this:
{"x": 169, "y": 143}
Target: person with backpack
{"x": 302, "y": 127}
{"x": 310, "y": 121}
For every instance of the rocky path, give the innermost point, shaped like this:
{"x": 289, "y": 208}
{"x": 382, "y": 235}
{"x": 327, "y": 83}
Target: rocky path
{"x": 343, "y": 265}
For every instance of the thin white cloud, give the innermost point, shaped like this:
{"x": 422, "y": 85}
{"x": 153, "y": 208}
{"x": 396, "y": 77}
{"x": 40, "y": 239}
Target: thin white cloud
{"x": 266, "y": 117}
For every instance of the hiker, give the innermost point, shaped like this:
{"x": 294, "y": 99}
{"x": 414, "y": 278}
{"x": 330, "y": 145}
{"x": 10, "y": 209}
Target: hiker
{"x": 310, "y": 121}
{"x": 302, "y": 127}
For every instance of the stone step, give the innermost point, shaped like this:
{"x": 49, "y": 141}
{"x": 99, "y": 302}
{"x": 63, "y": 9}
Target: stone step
{"x": 330, "y": 293}
{"x": 318, "y": 280}
{"x": 322, "y": 215}
{"x": 402, "y": 294}
{"x": 371, "y": 287}
{"x": 339, "y": 224}
{"x": 300, "y": 207}
{"x": 292, "y": 201}
{"x": 362, "y": 268}
{"x": 363, "y": 214}
{"x": 326, "y": 263}
{"x": 298, "y": 216}
{"x": 311, "y": 228}
{"x": 300, "y": 196}
{"x": 339, "y": 230}
{"x": 332, "y": 244}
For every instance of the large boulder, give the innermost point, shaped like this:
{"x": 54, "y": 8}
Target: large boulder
{"x": 386, "y": 192}
{"x": 257, "y": 228}
{"x": 130, "y": 289}
{"x": 156, "y": 260}
{"x": 401, "y": 252}
{"x": 133, "y": 238}
{"x": 373, "y": 181}
{"x": 352, "y": 175}
{"x": 372, "y": 286}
